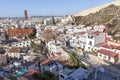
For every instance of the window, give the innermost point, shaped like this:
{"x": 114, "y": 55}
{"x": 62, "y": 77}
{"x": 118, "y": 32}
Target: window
{"x": 90, "y": 43}
{"x": 104, "y": 56}
{"x": 100, "y": 55}
{"x": 88, "y": 47}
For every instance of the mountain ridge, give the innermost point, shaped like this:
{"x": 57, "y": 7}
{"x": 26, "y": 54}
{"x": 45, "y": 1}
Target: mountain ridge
{"x": 109, "y": 16}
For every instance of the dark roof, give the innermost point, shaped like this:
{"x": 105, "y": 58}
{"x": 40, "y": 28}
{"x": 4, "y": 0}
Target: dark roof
{"x": 27, "y": 64}
{"x": 1, "y": 78}
{"x": 2, "y": 51}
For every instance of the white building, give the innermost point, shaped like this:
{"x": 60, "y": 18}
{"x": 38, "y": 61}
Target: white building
{"x": 54, "y": 45}
{"x": 25, "y": 43}
{"x": 107, "y": 55}
{"x": 14, "y": 52}
{"x": 87, "y": 40}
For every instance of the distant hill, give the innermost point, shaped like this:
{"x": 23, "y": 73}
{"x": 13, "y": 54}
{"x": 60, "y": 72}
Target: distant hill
{"x": 109, "y": 15}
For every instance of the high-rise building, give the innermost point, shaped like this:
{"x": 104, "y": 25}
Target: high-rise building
{"x": 25, "y": 14}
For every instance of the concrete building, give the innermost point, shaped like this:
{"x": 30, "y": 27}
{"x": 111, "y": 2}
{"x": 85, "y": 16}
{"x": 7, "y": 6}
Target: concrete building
{"x": 87, "y": 40}
{"x": 25, "y": 43}
{"x": 53, "y": 46}
{"x": 14, "y": 52}
{"x": 20, "y": 32}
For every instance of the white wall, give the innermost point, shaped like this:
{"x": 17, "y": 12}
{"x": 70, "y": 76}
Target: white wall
{"x": 100, "y": 38}
{"x": 22, "y": 44}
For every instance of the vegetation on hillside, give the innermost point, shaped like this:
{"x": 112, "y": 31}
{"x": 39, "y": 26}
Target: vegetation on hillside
{"x": 109, "y": 15}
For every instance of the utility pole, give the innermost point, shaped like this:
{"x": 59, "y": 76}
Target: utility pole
{"x": 96, "y": 70}
{"x": 96, "y": 73}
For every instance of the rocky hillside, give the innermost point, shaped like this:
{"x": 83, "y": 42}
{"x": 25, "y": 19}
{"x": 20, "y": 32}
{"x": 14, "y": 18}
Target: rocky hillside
{"x": 109, "y": 15}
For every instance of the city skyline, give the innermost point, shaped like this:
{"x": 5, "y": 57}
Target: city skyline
{"x": 16, "y": 8}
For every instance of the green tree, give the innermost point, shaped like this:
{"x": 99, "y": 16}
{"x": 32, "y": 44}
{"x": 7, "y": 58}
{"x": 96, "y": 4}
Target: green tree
{"x": 75, "y": 60}
{"x": 36, "y": 76}
{"x": 46, "y": 75}
{"x": 31, "y": 36}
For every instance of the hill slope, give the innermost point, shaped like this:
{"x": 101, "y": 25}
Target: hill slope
{"x": 109, "y": 15}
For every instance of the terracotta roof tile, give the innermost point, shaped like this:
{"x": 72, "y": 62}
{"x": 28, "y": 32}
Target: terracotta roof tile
{"x": 106, "y": 52}
{"x": 29, "y": 74}
{"x": 47, "y": 60}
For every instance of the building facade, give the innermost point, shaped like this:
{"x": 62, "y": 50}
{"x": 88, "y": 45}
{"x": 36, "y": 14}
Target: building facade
{"x": 20, "y": 32}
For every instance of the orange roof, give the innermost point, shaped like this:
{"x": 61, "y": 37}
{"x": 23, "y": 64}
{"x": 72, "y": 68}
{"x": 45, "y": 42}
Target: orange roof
{"x": 106, "y": 52}
{"x": 47, "y": 60}
{"x": 29, "y": 74}
{"x": 112, "y": 47}
{"x": 81, "y": 33}
{"x": 96, "y": 33}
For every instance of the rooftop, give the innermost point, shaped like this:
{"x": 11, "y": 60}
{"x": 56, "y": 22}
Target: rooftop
{"x": 29, "y": 74}
{"x": 112, "y": 47}
{"x": 27, "y": 64}
{"x": 106, "y": 52}
{"x": 67, "y": 71}
{"x": 15, "y": 49}
{"x": 47, "y": 60}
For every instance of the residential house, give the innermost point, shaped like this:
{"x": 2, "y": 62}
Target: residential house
{"x": 53, "y": 66}
{"x": 108, "y": 55}
{"x": 24, "y": 43}
{"x": 14, "y": 52}
{"x": 87, "y": 40}
{"x": 54, "y": 46}
{"x": 110, "y": 47}
{"x": 30, "y": 65}
{"x": 20, "y": 32}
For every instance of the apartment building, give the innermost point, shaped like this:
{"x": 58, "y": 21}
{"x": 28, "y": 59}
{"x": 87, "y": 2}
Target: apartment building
{"x": 20, "y": 32}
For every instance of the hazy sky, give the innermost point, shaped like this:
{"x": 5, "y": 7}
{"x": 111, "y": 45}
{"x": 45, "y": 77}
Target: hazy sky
{"x": 15, "y": 8}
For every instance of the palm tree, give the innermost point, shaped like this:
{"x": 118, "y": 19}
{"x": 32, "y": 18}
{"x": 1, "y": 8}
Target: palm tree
{"x": 75, "y": 59}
